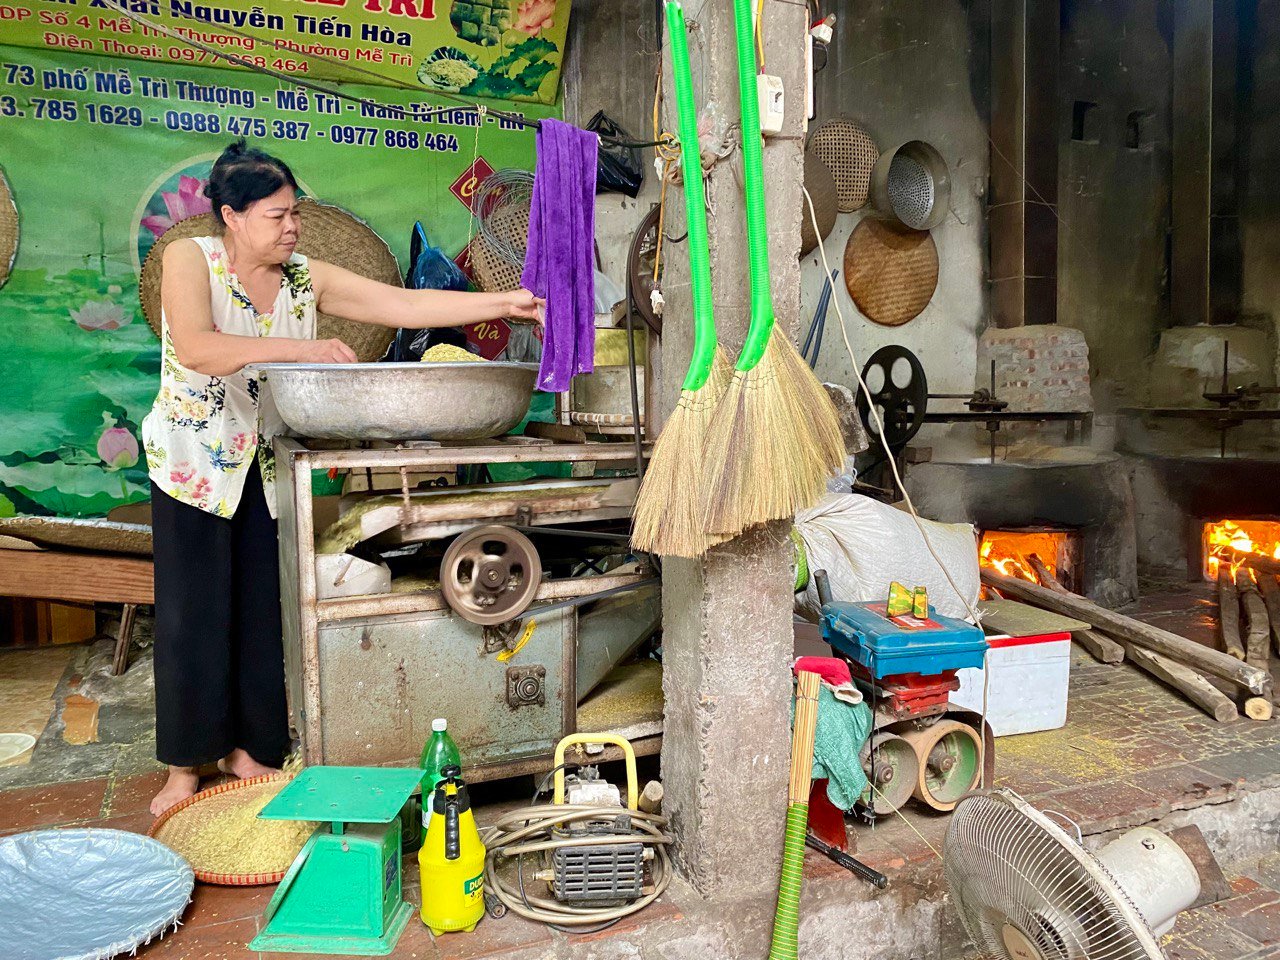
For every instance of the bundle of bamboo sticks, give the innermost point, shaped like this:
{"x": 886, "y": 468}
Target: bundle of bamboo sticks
{"x": 1217, "y": 681}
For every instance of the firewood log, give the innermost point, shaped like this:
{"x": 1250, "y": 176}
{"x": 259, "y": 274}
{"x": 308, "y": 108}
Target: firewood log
{"x": 1186, "y": 681}
{"x": 1229, "y": 613}
{"x": 1120, "y": 627}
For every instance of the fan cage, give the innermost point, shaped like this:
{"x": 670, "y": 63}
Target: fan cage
{"x": 1005, "y": 863}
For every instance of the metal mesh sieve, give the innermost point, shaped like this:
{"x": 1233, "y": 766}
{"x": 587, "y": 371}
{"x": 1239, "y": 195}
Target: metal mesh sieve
{"x": 912, "y": 185}
{"x": 910, "y": 191}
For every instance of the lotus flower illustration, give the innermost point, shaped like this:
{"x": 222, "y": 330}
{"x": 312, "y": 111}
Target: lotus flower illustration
{"x": 100, "y": 315}
{"x": 187, "y": 202}
{"x": 117, "y": 446}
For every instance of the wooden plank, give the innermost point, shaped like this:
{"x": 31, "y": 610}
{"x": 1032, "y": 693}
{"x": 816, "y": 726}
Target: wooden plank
{"x": 1214, "y": 885}
{"x": 1120, "y": 627}
{"x": 1025, "y": 620}
{"x": 1186, "y": 681}
{"x": 80, "y": 577}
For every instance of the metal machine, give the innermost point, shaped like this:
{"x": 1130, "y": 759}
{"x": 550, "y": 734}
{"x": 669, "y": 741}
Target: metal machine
{"x": 508, "y": 603}
{"x": 900, "y": 391}
{"x": 920, "y": 746}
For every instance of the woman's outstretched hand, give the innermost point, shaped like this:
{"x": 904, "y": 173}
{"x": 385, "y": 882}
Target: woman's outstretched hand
{"x": 325, "y": 351}
{"x": 525, "y": 306}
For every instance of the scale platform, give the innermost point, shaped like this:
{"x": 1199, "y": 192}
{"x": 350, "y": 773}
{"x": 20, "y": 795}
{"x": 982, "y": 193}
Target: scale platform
{"x": 344, "y": 794}
{"x": 342, "y": 895}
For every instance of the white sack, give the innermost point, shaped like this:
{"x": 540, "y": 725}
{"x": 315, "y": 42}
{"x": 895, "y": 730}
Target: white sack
{"x": 865, "y": 545}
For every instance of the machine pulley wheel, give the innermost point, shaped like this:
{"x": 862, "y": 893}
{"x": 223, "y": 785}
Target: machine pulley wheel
{"x": 900, "y": 392}
{"x": 893, "y": 769}
{"x": 950, "y": 762}
{"x": 490, "y": 575}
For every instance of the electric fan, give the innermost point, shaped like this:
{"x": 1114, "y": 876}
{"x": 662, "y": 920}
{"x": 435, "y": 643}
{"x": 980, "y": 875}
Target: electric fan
{"x": 1026, "y": 890}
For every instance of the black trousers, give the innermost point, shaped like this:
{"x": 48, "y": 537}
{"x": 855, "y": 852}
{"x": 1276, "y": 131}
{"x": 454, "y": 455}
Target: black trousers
{"x": 219, "y": 657}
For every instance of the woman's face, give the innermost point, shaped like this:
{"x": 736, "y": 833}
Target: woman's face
{"x": 267, "y": 230}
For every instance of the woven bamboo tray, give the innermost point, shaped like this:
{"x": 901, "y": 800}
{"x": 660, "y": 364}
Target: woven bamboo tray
{"x": 210, "y": 876}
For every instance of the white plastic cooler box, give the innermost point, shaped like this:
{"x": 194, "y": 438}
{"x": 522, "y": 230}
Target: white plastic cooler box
{"x": 1028, "y": 688}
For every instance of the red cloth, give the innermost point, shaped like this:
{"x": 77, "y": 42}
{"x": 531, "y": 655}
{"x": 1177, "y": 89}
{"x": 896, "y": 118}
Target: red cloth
{"x": 833, "y": 671}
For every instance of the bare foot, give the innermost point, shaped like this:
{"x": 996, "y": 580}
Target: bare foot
{"x": 238, "y": 763}
{"x": 183, "y": 782}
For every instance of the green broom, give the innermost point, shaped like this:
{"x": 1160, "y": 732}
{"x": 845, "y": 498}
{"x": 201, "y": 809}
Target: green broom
{"x": 668, "y": 516}
{"x": 786, "y": 919}
{"x": 775, "y": 438}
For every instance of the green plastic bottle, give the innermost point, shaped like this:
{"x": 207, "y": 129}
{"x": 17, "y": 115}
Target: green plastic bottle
{"x": 440, "y": 752}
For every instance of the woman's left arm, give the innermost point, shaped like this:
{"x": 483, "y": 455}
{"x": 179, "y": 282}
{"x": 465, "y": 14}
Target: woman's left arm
{"x": 342, "y": 293}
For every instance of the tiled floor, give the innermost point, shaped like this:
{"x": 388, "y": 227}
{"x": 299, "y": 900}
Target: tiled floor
{"x": 1131, "y": 753}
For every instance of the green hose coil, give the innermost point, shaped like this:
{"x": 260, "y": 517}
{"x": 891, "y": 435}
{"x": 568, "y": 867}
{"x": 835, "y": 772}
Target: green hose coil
{"x": 704, "y": 329}
{"x": 753, "y": 174}
{"x": 786, "y": 921}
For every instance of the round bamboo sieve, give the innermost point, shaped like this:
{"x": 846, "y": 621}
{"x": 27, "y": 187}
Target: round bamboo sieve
{"x": 186, "y": 826}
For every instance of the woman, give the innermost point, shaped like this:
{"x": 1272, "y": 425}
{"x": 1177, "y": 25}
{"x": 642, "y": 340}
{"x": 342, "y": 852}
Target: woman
{"x": 239, "y": 298}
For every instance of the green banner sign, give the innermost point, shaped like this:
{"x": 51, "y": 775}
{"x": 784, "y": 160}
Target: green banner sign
{"x": 506, "y": 49}
{"x": 97, "y": 176}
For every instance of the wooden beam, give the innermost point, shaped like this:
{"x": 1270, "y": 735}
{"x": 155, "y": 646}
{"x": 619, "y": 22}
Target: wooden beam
{"x": 83, "y": 577}
{"x": 1118, "y": 626}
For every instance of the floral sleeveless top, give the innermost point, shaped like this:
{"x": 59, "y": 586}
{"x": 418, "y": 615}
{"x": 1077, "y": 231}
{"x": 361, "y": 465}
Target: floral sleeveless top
{"x": 203, "y": 433}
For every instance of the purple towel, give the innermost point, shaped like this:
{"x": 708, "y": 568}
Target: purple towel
{"x": 560, "y": 263}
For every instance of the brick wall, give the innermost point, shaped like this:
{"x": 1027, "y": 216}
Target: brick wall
{"x": 1042, "y": 367}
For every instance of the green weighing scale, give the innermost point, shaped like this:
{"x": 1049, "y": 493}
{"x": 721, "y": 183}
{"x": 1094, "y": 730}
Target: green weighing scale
{"x": 342, "y": 894}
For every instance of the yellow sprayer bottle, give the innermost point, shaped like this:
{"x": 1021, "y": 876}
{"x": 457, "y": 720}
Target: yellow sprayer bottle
{"x": 451, "y": 860}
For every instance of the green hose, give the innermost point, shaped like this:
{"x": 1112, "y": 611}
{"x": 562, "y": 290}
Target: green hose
{"x": 786, "y": 921}
{"x": 704, "y": 329}
{"x": 753, "y": 173}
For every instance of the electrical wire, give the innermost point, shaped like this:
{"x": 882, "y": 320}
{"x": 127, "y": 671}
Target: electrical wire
{"x": 906, "y": 496}
{"x": 541, "y": 829}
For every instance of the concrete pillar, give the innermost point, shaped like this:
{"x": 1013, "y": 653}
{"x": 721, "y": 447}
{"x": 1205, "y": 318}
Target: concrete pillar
{"x": 727, "y": 638}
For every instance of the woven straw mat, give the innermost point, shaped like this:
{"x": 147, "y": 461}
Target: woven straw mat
{"x": 890, "y": 271}
{"x": 850, "y": 154}
{"x": 8, "y": 229}
{"x": 184, "y": 827}
{"x": 328, "y": 233}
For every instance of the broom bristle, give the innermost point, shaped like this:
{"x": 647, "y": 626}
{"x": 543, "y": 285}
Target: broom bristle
{"x": 668, "y": 513}
{"x": 774, "y": 441}
{"x": 812, "y": 396}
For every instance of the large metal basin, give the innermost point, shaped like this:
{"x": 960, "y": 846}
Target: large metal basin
{"x": 400, "y": 401}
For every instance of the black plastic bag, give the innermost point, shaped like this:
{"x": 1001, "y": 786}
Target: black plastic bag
{"x": 619, "y": 169}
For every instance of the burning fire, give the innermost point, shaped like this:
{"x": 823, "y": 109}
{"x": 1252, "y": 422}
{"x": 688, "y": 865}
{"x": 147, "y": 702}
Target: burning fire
{"x": 1248, "y": 536}
{"x": 1007, "y": 552}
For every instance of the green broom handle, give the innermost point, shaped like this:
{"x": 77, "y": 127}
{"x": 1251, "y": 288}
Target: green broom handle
{"x": 704, "y": 324}
{"x": 786, "y": 921}
{"x": 753, "y": 170}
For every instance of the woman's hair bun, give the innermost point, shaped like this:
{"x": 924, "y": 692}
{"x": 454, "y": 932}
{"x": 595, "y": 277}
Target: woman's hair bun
{"x": 243, "y": 175}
